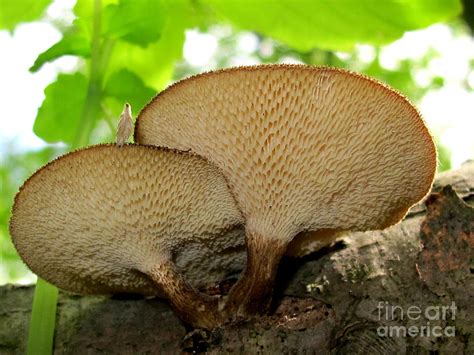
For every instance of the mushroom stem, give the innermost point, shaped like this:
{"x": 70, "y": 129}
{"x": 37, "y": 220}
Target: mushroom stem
{"x": 194, "y": 308}
{"x": 252, "y": 294}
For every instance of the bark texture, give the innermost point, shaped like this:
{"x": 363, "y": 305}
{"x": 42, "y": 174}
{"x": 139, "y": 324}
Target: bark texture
{"x": 407, "y": 289}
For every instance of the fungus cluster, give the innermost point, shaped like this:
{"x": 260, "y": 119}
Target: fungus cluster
{"x": 290, "y": 156}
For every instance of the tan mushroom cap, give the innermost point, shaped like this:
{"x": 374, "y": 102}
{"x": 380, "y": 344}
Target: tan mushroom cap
{"x": 98, "y": 220}
{"x": 302, "y": 147}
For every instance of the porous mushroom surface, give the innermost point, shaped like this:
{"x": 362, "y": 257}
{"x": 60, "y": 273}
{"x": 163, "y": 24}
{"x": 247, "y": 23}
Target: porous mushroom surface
{"x": 107, "y": 219}
{"x": 303, "y": 148}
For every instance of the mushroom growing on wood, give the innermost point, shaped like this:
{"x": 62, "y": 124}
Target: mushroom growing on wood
{"x": 303, "y": 149}
{"x": 133, "y": 219}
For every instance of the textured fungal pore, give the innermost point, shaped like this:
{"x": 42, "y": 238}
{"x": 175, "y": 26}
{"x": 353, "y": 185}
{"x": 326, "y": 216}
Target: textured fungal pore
{"x": 302, "y": 148}
{"x": 100, "y": 219}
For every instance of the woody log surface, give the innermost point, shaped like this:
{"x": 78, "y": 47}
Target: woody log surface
{"x": 408, "y": 289}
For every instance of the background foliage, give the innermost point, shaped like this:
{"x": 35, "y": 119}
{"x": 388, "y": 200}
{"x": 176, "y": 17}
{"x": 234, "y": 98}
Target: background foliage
{"x": 129, "y": 50}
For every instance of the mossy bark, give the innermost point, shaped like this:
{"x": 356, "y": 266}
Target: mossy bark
{"x": 358, "y": 296}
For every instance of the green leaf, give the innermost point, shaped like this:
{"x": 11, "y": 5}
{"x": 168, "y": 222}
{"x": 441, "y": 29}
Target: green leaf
{"x": 334, "y": 25}
{"x": 138, "y": 21}
{"x": 14, "y": 12}
{"x": 126, "y": 86}
{"x": 70, "y": 44}
{"x": 155, "y": 63}
{"x": 43, "y": 319}
{"x": 84, "y": 10}
{"x": 59, "y": 116}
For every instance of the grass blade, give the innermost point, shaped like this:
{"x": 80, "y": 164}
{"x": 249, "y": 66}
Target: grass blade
{"x": 43, "y": 319}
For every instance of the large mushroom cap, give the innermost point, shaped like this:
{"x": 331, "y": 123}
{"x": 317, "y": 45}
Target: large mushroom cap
{"x": 99, "y": 219}
{"x": 302, "y": 147}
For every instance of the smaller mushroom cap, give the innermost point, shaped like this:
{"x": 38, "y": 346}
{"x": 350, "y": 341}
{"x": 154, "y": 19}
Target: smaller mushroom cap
{"x": 99, "y": 219}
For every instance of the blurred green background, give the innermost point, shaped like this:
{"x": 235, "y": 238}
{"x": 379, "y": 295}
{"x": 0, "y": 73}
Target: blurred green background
{"x": 67, "y": 67}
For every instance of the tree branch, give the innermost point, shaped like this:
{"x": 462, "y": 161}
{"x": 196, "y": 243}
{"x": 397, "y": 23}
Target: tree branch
{"x": 359, "y": 295}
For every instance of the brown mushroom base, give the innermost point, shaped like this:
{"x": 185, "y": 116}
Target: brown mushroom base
{"x": 252, "y": 294}
{"x": 194, "y": 308}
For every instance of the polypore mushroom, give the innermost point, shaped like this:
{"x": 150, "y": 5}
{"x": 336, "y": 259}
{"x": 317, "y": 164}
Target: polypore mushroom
{"x": 303, "y": 148}
{"x": 110, "y": 219}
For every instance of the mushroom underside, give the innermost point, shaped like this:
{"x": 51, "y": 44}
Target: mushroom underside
{"x": 303, "y": 149}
